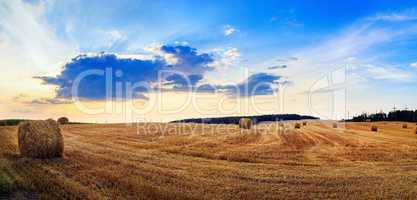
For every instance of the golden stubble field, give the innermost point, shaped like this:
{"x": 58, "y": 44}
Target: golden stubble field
{"x": 191, "y": 161}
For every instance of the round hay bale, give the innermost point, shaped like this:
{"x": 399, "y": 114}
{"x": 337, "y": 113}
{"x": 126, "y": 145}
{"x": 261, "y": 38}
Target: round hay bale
{"x": 245, "y": 123}
{"x": 405, "y": 126}
{"x": 40, "y": 139}
{"x": 297, "y": 125}
{"x": 304, "y": 123}
{"x": 334, "y": 125}
{"x": 63, "y": 120}
{"x": 374, "y": 128}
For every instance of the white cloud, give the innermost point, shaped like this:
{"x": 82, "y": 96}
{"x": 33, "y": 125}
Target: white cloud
{"x": 232, "y": 53}
{"x": 35, "y": 50}
{"x": 3, "y": 42}
{"x": 395, "y": 17}
{"x": 390, "y": 73}
{"x": 155, "y": 49}
{"x": 225, "y": 58}
{"x": 135, "y": 56}
{"x": 184, "y": 43}
{"x": 358, "y": 45}
{"x": 229, "y": 30}
{"x": 115, "y": 34}
{"x": 414, "y": 64}
{"x": 113, "y": 37}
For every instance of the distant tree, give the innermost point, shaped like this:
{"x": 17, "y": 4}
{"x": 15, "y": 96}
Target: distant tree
{"x": 396, "y": 115}
{"x": 255, "y": 119}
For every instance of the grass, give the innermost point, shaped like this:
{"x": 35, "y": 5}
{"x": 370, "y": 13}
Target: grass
{"x": 5, "y": 183}
{"x": 217, "y": 162}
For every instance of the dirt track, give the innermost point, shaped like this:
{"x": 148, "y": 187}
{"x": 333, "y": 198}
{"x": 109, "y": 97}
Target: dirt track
{"x": 185, "y": 161}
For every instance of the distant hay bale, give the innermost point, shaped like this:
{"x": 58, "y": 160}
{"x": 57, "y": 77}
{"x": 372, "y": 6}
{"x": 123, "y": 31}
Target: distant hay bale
{"x": 304, "y": 123}
{"x": 334, "y": 125}
{"x": 297, "y": 125}
{"x": 40, "y": 139}
{"x": 374, "y": 128}
{"x": 405, "y": 126}
{"x": 245, "y": 123}
{"x": 63, "y": 120}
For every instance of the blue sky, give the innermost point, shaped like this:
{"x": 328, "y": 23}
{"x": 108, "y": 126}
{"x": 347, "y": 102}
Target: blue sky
{"x": 46, "y": 44}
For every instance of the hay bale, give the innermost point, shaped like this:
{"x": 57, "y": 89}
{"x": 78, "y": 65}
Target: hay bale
{"x": 63, "y": 120}
{"x": 297, "y": 125}
{"x": 304, "y": 123}
{"x": 405, "y": 126}
{"x": 245, "y": 123}
{"x": 374, "y": 128}
{"x": 40, "y": 139}
{"x": 334, "y": 125}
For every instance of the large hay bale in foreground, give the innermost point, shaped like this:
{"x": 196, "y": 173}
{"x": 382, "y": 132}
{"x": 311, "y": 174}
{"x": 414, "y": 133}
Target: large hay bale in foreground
{"x": 245, "y": 123}
{"x": 63, "y": 120}
{"x": 297, "y": 125}
{"x": 374, "y": 128}
{"x": 40, "y": 139}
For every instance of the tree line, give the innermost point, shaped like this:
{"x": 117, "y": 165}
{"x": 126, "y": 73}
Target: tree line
{"x": 255, "y": 119}
{"x": 396, "y": 115}
{"x": 10, "y": 122}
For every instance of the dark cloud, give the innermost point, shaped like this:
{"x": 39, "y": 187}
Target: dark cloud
{"x": 287, "y": 59}
{"x": 189, "y": 66}
{"x": 277, "y": 67}
{"x": 177, "y": 80}
{"x": 195, "y": 78}
{"x": 188, "y": 60}
{"x": 256, "y": 84}
{"x": 181, "y": 81}
{"x": 55, "y": 101}
{"x": 96, "y": 68}
{"x": 206, "y": 88}
{"x": 181, "y": 68}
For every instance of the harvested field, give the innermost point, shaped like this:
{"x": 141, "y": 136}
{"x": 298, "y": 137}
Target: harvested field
{"x": 191, "y": 161}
